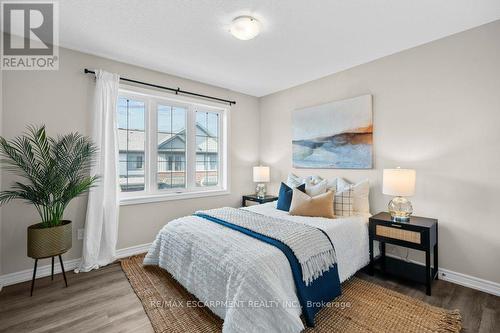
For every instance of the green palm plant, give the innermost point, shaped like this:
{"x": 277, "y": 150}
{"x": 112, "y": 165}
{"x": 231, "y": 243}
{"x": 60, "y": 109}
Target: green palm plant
{"x": 54, "y": 170}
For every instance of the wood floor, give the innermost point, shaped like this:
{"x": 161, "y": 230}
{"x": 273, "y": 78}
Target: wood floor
{"x": 103, "y": 301}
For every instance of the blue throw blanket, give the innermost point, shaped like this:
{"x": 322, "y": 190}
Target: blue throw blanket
{"x": 312, "y": 295}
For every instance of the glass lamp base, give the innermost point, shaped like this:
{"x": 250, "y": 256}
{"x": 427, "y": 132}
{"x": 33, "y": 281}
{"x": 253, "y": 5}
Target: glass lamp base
{"x": 400, "y": 209}
{"x": 260, "y": 191}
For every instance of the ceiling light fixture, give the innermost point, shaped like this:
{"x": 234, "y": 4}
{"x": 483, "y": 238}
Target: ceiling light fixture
{"x": 245, "y": 27}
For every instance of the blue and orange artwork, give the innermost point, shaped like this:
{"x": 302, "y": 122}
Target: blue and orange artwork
{"x": 337, "y": 135}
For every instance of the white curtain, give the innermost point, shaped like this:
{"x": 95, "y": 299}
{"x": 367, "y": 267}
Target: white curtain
{"x": 101, "y": 225}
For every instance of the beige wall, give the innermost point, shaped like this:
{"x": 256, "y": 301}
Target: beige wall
{"x": 62, "y": 100}
{"x": 436, "y": 109}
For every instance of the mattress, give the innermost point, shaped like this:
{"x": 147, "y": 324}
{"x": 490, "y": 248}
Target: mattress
{"x": 349, "y": 235}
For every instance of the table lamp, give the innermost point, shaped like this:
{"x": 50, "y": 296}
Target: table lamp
{"x": 399, "y": 183}
{"x": 261, "y": 175}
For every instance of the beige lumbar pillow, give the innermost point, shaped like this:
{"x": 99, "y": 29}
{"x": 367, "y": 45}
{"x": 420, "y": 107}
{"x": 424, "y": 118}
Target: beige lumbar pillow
{"x": 318, "y": 206}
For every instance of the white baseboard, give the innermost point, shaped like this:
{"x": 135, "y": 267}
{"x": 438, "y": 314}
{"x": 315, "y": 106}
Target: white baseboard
{"x": 470, "y": 281}
{"x": 69, "y": 265}
{"x": 42, "y": 271}
{"x": 133, "y": 250}
{"x": 465, "y": 280}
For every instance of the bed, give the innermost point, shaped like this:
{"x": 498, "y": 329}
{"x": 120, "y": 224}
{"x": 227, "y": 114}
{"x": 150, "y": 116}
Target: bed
{"x": 241, "y": 278}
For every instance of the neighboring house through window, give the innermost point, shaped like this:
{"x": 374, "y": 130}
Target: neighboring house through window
{"x": 170, "y": 147}
{"x": 139, "y": 161}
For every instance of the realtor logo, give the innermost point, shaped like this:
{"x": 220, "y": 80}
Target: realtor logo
{"x": 30, "y": 35}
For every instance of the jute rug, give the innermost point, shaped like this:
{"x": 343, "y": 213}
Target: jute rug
{"x": 363, "y": 307}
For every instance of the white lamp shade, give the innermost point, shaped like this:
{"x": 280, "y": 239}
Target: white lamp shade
{"x": 261, "y": 174}
{"x": 399, "y": 182}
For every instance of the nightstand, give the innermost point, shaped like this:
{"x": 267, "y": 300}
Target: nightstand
{"x": 254, "y": 198}
{"x": 420, "y": 233}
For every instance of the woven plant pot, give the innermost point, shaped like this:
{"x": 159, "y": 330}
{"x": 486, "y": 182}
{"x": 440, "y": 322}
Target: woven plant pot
{"x": 49, "y": 242}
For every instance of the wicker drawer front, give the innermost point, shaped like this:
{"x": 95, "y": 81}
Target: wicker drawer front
{"x": 394, "y": 233}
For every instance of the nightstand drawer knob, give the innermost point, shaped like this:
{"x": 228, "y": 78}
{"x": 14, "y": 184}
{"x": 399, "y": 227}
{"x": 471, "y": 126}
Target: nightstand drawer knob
{"x": 404, "y": 235}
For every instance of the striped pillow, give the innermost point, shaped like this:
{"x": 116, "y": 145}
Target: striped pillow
{"x": 293, "y": 181}
{"x": 343, "y": 201}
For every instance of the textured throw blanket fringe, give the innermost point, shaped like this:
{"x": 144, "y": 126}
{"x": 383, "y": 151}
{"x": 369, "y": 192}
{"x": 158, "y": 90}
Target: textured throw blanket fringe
{"x": 315, "y": 266}
{"x": 311, "y": 246}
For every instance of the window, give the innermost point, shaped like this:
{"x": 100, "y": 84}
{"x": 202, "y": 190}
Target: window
{"x": 139, "y": 161}
{"x": 207, "y": 148}
{"x": 131, "y": 143}
{"x": 171, "y": 127}
{"x": 170, "y": 147}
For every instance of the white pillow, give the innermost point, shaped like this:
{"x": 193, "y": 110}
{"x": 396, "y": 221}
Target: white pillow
{"x": 314, "y": 179}
{"x": 313, "y": 189}
{"x": 332, "y": 184}
{"x": 360, "y": 193}
{"x": 293, "y": 181}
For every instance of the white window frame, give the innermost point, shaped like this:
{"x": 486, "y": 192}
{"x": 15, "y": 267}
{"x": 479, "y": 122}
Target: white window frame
{"x": 151, "y": 193}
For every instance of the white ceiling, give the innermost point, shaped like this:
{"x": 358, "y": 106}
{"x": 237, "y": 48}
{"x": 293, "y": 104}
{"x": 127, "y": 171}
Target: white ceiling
{"x": 302, "y": 40}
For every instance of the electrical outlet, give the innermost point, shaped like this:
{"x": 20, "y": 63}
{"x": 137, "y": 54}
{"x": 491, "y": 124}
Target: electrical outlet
{"x": 79, "y": 234}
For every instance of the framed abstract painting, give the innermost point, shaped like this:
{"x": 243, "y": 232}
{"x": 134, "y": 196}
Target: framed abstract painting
{"x": 336, "y": 135}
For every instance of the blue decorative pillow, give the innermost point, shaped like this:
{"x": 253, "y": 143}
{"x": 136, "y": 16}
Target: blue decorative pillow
{"x": 285, "y": 196}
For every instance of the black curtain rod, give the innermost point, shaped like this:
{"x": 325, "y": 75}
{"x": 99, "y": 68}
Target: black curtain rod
{"x": 176, "y": 91}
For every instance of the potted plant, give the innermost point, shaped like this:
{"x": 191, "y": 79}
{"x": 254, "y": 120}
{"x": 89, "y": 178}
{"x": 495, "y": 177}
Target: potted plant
{"x": 52, "y": 171}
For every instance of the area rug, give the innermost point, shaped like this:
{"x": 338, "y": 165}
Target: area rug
{"x": 363, "y": 307}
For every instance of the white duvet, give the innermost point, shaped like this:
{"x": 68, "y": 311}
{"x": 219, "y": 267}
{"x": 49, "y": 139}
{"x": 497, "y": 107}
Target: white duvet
{"x": 247, "y": 282}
